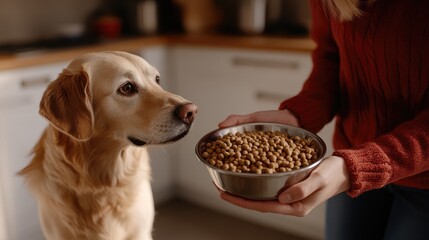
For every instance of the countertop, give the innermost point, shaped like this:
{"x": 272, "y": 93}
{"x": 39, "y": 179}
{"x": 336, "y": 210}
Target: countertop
{"x": 11, "y": 61}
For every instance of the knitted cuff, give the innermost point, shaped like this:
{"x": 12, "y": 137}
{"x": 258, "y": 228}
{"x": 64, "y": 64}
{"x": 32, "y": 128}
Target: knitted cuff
{"x": 368, "y": 167}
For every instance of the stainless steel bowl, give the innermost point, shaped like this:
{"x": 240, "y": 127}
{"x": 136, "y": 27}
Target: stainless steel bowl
{"x": 258, "y": 186}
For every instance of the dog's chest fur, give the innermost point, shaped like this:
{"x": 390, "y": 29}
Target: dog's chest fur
{"x": 101, "y": 215}
{"x": 105, "y": 198}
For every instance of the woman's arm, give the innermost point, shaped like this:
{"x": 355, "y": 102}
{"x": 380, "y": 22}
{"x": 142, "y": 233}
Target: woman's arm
{"x": 317, "y": 102}
{"x": 396, "y": 157}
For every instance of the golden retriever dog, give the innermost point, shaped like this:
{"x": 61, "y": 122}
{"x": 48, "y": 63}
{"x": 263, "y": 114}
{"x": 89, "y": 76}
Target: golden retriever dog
{"x": 90, "y": 173}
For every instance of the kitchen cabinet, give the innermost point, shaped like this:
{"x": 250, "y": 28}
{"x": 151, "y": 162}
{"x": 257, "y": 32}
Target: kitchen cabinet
{"x": 222, "y": 82}
{"x": 20, "y": 128}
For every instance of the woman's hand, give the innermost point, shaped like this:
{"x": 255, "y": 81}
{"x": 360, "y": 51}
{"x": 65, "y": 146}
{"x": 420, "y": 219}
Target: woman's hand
{"x": 272, "y": 116}
{"x": 328, "y": 179}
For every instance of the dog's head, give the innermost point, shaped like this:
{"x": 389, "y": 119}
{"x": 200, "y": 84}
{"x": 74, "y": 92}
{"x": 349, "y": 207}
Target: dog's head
{"x": 116, "y": 94}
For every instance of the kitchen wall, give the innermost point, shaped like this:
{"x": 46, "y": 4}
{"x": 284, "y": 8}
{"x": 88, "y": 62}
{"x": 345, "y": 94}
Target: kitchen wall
{"x": 23, "y": 20}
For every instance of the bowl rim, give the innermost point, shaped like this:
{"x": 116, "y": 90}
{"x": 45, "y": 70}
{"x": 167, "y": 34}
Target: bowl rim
{"x": 280, "y": 125}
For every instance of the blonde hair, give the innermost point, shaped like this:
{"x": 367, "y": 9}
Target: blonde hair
{"x": 343, "y": 10}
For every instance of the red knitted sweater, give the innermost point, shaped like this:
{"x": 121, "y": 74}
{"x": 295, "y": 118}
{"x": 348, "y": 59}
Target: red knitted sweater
{"x": 372, "y": 75}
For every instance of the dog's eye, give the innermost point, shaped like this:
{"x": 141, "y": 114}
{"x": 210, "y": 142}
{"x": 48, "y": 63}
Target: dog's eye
{"x": 128, "y": 89}
{"x": 157, "y": 79}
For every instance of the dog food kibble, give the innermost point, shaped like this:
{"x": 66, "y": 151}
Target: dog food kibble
{"x": 260, "y": 152}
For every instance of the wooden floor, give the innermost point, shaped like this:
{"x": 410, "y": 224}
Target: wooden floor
{"x": 181, "y": 220}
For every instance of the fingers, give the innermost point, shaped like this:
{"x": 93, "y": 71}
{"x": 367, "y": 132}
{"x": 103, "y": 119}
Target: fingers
{"x": 299, "y": 209}
{"x": 330, "y": 177}
{"x": 260, "y": 206}
{"x": 233, "y": 120}
{"x": 275, "y": 116}
{"x": 302, "y": 190}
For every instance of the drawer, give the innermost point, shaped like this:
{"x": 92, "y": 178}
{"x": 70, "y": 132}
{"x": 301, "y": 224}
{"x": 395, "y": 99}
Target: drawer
{"x": 28, "y": 79}
{"x": 242, "y": 64}
{"x": 269, "y": 76}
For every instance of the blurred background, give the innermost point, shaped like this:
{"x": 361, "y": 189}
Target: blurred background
{"x": 227, "y": 56}
{"x": 50, "y": 23}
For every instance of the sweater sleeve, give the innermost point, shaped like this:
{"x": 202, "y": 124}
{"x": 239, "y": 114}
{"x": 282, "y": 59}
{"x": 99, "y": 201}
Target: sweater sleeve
{"x": 400, "y": 156}
{"x": 316, "y": 103}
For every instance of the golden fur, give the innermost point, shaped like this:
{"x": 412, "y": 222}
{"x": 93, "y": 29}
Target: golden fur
{"x": 89, "y": 178}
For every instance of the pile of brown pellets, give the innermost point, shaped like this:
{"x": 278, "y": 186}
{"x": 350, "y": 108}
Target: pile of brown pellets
{"x": 260, "y": 152}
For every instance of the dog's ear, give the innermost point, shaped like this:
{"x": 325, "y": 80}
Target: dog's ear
{"x": 66, "y": 103}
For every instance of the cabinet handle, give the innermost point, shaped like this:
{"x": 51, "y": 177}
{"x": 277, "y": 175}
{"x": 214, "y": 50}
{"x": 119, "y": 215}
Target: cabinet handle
{"x": 265, "y": 63}
{"x": 35, "y": 82}
{"x": 269, "y": 96}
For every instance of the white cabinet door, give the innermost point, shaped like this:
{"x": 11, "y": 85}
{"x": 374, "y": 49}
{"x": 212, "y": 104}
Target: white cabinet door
{"x": 20, "y": 128}
{"x": 223, "y": 82}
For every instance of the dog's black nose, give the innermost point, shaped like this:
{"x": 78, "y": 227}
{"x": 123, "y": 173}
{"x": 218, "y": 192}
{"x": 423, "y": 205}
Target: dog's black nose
{"x": 186, "y": 112}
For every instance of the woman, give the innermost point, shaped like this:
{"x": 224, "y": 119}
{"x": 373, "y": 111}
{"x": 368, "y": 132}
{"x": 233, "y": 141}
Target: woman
{"x": 371, "y": 72}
